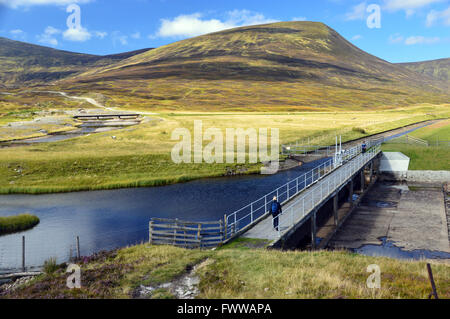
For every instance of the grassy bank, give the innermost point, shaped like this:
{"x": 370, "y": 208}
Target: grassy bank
{"x": 12, "y": 224}
{"x": 425, "y": 157}
{"x": 140, "y": 155}
{"x": 240, "y": 272}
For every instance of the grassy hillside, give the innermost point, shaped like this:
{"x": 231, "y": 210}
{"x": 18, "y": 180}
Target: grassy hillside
{"x": 239, "y": 272}
{"x": 24, "y": 64}
{"x": 439, "y": 69}
{"x": 283, "y": 66}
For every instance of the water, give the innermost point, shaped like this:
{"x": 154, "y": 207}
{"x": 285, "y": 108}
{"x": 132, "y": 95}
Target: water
{"x": 116, "y": 218}
{"x": 388, "y": 249}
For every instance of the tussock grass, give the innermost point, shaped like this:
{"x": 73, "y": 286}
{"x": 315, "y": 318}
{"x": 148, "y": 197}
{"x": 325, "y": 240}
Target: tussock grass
{"x": 50, "y": 266}
{"x": 12, "y": 224}
{"x": 235, "y": 272}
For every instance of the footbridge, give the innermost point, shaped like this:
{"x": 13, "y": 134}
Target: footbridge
{"x": 336, "y": 183}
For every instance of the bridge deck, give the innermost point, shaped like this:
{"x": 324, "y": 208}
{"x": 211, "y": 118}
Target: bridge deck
{"x": 103, "y": 116}
{"x": 298, "y": 209}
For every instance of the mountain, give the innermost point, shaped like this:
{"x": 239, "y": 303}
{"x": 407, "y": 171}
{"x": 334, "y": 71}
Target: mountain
{"x": 25, "y": 64}
{"x": 285, "y": 66}
{"x": 439, "y": 69}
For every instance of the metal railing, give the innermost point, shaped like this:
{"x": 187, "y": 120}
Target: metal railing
{"x": 253, "y": 212}
{"x": 248, "y": 214}
{"x": 304, "y": 204}
{"x": 408, "y": 139}
{"x": 311, "y": 150}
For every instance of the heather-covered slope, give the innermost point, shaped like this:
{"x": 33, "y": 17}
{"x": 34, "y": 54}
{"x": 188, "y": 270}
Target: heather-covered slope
{"x": 26, "y": 64}
{"x": 285, "y": 66}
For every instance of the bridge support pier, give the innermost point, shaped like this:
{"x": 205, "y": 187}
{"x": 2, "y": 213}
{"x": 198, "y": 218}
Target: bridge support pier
{"x": 335, "y": 209}
{"x": 351, "y": 192}
{"x": 313, "y": 230}
{"x": 371, "y": 172}
{"x": 363, "y": 180}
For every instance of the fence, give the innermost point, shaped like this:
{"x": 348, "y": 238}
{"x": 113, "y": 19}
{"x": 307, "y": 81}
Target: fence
{"x": 408, "y": 139}
{"x": 29, "y": 252}
{"x": 440, "y": 143}
{"x": 186, "y": 234}
{"x": 304, "y": 204}
{"x": 257, "y": 209}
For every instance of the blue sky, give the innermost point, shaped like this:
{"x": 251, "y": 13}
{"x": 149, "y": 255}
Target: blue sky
{"x": 409, "y": 30}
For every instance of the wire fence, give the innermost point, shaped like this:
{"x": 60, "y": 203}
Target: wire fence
{"x": 28, "y": 253}
{"x": 408, "y": 139}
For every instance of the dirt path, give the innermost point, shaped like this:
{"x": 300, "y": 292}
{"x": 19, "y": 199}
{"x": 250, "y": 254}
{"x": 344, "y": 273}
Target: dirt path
{"x": 95, "y": 103}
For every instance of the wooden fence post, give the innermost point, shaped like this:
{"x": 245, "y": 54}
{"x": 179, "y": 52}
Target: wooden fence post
{"x": 23, "y": 253}
{"x": 175, "y": 232}
{"x": 225, "y": 226}
{"x": 433, "y": 286}
{"x": 78, "y": 247}
{"x": 150, "y": 228}
{"x": 199, "y": 234}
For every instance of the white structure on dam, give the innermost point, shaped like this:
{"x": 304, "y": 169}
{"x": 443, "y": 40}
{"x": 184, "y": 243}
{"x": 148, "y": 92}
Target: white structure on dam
{"x": 394, "y": 162}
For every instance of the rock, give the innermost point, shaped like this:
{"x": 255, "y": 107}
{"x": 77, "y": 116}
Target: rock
{"x": 11, "y": 286}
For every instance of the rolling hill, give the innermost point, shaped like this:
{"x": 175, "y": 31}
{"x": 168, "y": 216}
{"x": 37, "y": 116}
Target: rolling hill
{"x": 286, "y": 66}
{"x": 26, "y": 64}
{"x": 439, "y": 69}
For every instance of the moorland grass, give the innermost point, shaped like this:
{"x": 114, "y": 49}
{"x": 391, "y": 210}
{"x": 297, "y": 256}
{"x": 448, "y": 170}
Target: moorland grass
{"x": 242, "y": 273}
{"x": 12, "y": 224}
{"x": 140, "y": 156}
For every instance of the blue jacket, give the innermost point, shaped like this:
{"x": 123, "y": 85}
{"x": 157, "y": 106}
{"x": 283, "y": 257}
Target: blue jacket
{"x": 278, "y": 210}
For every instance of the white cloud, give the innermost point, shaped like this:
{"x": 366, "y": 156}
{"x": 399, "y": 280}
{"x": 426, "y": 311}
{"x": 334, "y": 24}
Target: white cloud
{"x": 190, "y": 25}
{"x": 118, "y": 37}
{"x": 434, "y": 17}
{"x": 100, "y": 34}
{"x": 409, "y": 6}
{"x": 48, "y": 37}
{"x": 28, "y": 3}
{"x": 299, "y": 19}
{"x": 77, "y": 34}
{"x": 358, "y": 12}
{"x": 136, "y": 35}
{"x": 421, "y": 40}
{"x": 357, "y": 37}
{"x": 18, "y": 34}
{"x": 396, "y": 38}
